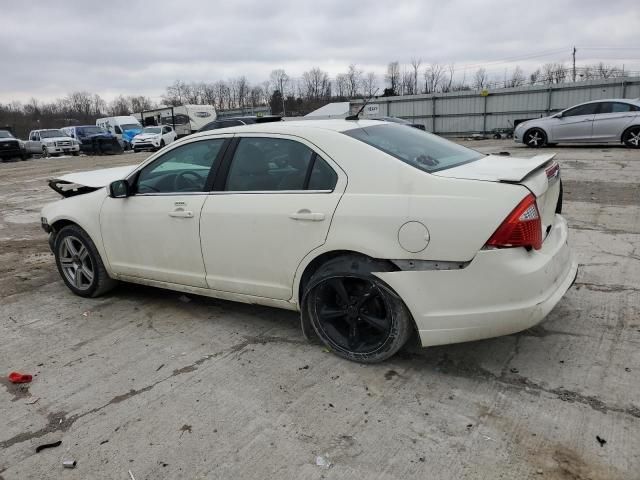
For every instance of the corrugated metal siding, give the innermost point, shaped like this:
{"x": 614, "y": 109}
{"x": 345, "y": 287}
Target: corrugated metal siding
{"x": 464, "y": 112}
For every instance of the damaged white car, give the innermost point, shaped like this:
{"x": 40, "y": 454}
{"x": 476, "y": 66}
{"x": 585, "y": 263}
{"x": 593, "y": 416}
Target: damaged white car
{"x": 371, "y": 230}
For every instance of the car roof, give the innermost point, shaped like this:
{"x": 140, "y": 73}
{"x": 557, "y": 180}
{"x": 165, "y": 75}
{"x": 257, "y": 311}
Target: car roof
{"x": 336, "y": 125}
{"x": 633, "y": 101}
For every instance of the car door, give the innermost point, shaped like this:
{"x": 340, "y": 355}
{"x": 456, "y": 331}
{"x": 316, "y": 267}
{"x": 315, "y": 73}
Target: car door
{"x": 272, "y": 205}
{"x": 167, "y": 135}
{"x": 612, "y": 119}
{"x": 155, "y": 233}
{"x": 33, "y": 145}
{"x": 575, "y": 124}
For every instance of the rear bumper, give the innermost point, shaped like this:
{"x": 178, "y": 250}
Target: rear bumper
{"x": 500, "y": 292}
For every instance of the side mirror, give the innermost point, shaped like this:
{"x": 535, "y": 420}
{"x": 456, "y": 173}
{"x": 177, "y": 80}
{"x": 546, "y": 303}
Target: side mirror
{"x": 558, "y": 115}
{"x": 119, "y": 189}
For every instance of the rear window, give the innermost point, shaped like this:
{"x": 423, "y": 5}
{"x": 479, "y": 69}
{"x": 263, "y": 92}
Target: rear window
{"x": 420, "y": 149}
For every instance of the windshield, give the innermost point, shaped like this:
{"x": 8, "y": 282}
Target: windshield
{"x": 5, "y": 134}
{"x": 151, "y": 130}
{"x": 130, "y": 126}
{"x": 422, "y": 150}
{"x": 51, "y": 134}
{"x": 90, "y": 130}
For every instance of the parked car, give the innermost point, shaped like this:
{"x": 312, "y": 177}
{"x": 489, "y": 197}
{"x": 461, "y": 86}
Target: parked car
{"x": 93, "y": 139}
{"x": 601, "y": 121}
{"x": 153, "y": 138}
{"x": 238, "y": 121}
{"x": 51, "y": 142}
{"x": 11, "y": 147}
{"x": 426, "y": 235}
{"x": 124, "y": 127}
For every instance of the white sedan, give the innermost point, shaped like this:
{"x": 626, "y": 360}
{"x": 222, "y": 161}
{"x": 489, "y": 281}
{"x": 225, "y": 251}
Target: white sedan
{"x": 153, "y": 138}
{"x": 371, "y": 230}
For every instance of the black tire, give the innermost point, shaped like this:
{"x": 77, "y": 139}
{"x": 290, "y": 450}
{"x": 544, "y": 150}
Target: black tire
{"x": 100, "y": 282}
{"x": 354, "y": 313}
{"x": 45, "y": 152}
{"x": 631, "y": 137}
{"x": 535, "y": 138}
{"x": 75, "y": 154}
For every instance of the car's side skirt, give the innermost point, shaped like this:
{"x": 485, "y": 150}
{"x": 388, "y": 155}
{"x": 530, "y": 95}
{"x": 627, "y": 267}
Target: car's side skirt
{"x": 207, "y": 292}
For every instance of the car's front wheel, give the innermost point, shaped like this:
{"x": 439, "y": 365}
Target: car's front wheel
{"x": 631, "y": 137}
{"x": 354, "y": 313}
{"x": 535, "y": 138}
{"x": 79, "y": 263}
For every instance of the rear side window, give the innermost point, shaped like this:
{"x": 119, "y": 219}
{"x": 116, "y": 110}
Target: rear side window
{"x": 616, "y": 107}
{"x": 277, "y": 164}
{"x": 420, "y": 149}
{"x": 588, "y": 109}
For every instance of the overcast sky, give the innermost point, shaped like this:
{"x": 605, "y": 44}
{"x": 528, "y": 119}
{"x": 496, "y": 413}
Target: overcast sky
{"x": 49, "y": 48}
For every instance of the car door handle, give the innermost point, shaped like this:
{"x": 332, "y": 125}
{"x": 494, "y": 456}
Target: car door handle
{"x": 181, "y": 214}
{"x": 307, "y": 215}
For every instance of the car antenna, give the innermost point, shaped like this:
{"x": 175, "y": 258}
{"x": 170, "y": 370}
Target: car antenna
{"x": 355, "y": 117}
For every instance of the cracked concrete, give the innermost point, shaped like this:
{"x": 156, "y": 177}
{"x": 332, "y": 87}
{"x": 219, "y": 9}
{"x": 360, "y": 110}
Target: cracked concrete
{"x": 140, "y": 381}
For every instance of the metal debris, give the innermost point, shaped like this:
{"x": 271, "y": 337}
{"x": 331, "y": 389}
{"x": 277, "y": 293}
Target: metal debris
{"x": 69, "y": 463}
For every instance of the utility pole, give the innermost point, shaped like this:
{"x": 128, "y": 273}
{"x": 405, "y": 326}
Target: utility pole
{"x": 574, "y": 64}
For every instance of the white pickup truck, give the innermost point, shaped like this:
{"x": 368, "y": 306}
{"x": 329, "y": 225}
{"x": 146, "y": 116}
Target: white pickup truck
{"x": 51, "y": 142}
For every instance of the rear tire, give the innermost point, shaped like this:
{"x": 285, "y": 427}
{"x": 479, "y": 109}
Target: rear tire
{"x": 79, "y": 263}
{"x": 631, "y": 137}
{"x": 355, "y": 314}
{"x": 535, "y": 138}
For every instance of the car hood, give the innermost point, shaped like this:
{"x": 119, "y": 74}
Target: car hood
{"x": 56, "y": 139}
{"x": 95, "y": 178}
{"x": 146, "y": 136}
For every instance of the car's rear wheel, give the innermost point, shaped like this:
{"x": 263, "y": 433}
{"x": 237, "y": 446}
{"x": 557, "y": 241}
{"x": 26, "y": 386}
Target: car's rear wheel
{"x": 535, "y": 138}
{"x": 354, "y": 313}
{"x": 79, "y": 263}
{"x": 631, "y": 137}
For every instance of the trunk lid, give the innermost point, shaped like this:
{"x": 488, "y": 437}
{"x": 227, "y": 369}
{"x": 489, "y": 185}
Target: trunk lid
{"x": 539, "y": 174}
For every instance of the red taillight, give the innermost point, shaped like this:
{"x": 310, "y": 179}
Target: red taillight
{"x": 522, "y": 228}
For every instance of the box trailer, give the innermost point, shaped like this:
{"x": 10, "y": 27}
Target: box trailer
{"x": 185, "y": 119}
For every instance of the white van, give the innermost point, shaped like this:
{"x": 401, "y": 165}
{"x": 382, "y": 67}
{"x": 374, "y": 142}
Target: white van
{"x": 124, "y": 127}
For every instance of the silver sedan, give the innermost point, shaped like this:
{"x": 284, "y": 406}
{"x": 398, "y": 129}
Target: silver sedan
{"x": 601, "y": 121}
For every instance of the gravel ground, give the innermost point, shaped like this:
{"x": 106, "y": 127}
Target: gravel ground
{"x": 140, "y": 380}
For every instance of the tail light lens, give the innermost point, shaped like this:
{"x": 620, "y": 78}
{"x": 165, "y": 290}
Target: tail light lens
{"x": 522, "y": 228}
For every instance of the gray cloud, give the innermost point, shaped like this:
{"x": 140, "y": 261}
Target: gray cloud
{"x": 51, "y": 48}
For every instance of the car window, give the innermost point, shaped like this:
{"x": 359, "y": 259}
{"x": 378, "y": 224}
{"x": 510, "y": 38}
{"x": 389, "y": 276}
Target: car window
{"x": 615, "y": 107}
{"x": 118, "y": 130}
{"x": 588, "y": 109}
{"x": 182, "y": 169}
{"x": 166, "y": 130}
{"x": 422, "y": 150}
{"x": 266, "y": 164}
{"x": 322, "y": 176}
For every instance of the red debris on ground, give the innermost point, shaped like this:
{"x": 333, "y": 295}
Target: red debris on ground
{"x": 16, "y": 377}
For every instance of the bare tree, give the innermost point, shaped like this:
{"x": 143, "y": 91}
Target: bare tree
{"x": 553, "y": 73}
{"x": 370, "y": 84}
{"x": 517, "y": 78}
{"x": 341, "y": 85}
{"x": 393, "y": 76}
{"x": 140, "y": 103}
{"x": 534, "y": 77}
{"x": 480, "y": 79}
{"x": 354, "y": 80}
{"x": 315, "y": 84}
{"x": 119, "y": 106}
{"x": 406, "y": 83}
{"x": 433, "y": 75}
{"x": 415, "y": 64}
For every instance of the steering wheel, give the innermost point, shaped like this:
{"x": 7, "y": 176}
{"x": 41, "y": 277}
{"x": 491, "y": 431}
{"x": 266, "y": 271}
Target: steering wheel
{"x": 187, "y": 181}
